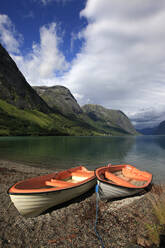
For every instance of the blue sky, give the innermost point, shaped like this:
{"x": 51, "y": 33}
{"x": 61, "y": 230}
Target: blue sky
{"x": 30, "y": 15}
{"x": 108, "y": 52}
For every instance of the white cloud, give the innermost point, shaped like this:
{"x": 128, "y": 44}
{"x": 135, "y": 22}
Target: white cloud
{"x": 45, "y": 60}
{"x": 8, "y": 35}
{"x": 121, "y": 65}
{"x": 147, "y": 117}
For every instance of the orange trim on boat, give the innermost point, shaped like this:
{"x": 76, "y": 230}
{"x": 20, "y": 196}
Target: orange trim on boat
{"x": 108, "y": 172}
{"x": 56, "y": 180}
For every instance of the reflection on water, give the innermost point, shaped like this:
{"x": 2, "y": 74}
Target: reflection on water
{"x": 66, "y": 151}
{"x": 146, "y": 152}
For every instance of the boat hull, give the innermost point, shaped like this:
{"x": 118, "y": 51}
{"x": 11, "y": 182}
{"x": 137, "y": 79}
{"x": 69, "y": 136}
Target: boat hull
{"x": 117, "y": 181}
{"x": 32, "y": 205}
{"x": 109, "y": 191}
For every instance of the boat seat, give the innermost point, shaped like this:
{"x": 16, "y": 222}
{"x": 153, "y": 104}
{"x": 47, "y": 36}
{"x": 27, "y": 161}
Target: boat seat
{"x": 80, "y": 176}
{"x": 135, "y": 174}
{"x": 117, "y": 180}
{"x": 59, "y": 183}
{"x": 83, "y": 174}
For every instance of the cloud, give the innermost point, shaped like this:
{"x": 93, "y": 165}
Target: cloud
{"x": 147, "y": 118}
{"x": 9, "y": 37}
{"x": 45, "y": 61}
{"x": 121, "y": 64}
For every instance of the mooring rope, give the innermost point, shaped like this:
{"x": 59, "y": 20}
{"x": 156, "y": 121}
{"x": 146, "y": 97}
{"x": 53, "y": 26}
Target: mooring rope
{"x": 97, "y": 203}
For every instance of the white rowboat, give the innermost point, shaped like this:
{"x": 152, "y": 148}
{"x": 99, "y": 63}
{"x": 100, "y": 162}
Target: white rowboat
{"x": 33, "y": 196}
{"x": 116, "y": 181}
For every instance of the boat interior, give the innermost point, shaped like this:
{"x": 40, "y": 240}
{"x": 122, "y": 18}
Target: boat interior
{"x": 59, "y": 180}
{"x": 127, "y": 176}
{"x": 119, "y": 174}
{"x": 69, "y": 179}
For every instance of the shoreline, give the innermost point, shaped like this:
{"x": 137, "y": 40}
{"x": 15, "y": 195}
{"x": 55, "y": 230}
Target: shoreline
{"x": 72, "y": 224}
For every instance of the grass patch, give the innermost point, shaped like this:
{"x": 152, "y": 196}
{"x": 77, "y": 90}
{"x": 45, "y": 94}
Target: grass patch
{"x": 34, "y": 116}
{"x": 14, "y": 121}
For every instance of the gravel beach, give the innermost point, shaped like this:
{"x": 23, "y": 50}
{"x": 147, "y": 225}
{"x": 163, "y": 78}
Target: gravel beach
{"x": 120, "y": 222}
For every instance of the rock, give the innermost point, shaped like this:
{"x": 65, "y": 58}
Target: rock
{"x": 143, "y": 242}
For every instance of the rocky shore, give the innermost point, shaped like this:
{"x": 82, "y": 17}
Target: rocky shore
{"x": 121, "y": 223}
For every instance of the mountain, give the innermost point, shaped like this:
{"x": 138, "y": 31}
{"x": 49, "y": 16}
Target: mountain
{"x": 147, "y": 131}
{"x": 108, "y": 122}
{"x": 112, "y": 121}
{"x": 54, "y": 112}
{"x": 24, "y": 112}
{"x": 160, "y": 130}
{"x": 59, "y": 98}
{"x": 15, "y": 121}
{"x": 14, "y": 88}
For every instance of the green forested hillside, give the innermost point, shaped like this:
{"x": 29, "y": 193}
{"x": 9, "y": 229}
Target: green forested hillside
{"x": 14, "y": 121}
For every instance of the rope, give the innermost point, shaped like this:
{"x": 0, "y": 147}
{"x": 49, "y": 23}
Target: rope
{"x": 97, "y": 201}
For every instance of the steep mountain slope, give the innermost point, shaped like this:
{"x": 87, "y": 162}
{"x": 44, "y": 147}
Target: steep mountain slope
{"x": 59, "y": 98}
{"x": 114, "y": 121}
{"x": 24, "y": 112}
{"x": 14, "y": 88}
{"x": 56, "y": 112}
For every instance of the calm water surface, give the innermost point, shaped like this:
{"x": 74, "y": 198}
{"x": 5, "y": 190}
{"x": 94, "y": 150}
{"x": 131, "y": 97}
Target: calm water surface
{"x": 145, "y": 152}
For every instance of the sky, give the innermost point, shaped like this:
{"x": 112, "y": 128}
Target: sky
{"x": 107, "y": 52}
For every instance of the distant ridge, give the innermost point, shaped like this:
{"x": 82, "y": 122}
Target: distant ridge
{"x": 106, "y": 119}
{"x": 160, "y": 130}
{"x": 147, "y": 131}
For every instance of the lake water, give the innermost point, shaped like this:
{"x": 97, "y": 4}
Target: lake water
{"x": 145, "y": 152}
